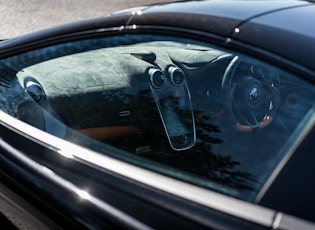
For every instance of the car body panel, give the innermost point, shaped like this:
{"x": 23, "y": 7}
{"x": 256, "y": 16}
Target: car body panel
{"x": 42, "y": 183}
{"x": 38, "y": 180}
{"x": 295, "y": 23}
{"x": 227, "y": 13}
{"x": 224, "y": 16}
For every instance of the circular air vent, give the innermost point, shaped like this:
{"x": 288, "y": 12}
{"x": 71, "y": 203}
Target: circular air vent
{"x": 34, "y": 89}
{"x": 157, "y": 78}
{"x": 177, "y": 75}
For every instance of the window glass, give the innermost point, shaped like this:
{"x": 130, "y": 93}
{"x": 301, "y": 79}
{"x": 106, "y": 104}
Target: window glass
{"x": 195, "y": 112}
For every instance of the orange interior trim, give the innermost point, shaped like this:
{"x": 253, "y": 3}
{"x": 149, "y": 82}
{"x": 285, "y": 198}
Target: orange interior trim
{"x": 102, "y": 133}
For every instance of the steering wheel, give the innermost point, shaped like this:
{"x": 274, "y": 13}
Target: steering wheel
{"x": 251, "y": 94}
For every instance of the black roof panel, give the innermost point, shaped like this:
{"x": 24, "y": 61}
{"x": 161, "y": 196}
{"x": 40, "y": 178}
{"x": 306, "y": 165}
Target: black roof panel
{"x": 289, "y": 33}
{"x": 219, "y": 17}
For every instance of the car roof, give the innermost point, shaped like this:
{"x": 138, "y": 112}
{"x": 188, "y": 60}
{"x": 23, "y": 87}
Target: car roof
{"x": 289, "y": 33}
{"x": 284, "y": 28}
{"x": 219, "y": 17}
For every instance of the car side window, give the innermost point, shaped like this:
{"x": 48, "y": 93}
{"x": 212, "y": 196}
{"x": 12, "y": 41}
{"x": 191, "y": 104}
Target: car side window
{"x": 193, "y": 111}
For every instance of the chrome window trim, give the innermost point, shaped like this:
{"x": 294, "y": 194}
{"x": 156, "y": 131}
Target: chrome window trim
{"x": 69, "y": 186}
{"x": 292, "y": 223}
{"x": 222, "y": 203}
{"x": 219, "y": 202}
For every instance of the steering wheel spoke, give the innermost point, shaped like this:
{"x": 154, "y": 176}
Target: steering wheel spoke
{"x": 252, "y": 122}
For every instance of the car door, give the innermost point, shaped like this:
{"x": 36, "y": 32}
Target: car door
{"x": 146, "y": 129}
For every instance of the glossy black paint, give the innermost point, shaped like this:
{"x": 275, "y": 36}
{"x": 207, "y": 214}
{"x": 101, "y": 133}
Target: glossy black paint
{"x": 216, "y": 17}
{"x": 65, "y": 209}
{"x": 292, "y": 34}
{"x": 262, "y": 26}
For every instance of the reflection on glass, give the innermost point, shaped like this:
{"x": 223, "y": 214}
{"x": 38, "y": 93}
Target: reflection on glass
{"x": 100, "y": 86}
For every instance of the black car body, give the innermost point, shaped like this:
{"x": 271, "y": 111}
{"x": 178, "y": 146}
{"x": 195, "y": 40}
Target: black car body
{"x": 180, "y": 115}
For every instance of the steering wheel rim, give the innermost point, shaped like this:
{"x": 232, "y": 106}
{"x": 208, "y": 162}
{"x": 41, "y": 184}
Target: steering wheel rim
{"x": 250, "y": 100}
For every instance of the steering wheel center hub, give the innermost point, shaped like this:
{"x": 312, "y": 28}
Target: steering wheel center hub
{"x": 253, "y": 95}
{"x": 250, "y": 93}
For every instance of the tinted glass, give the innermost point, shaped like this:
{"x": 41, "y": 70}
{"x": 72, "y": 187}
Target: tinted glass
{"x": 195, "y": 112}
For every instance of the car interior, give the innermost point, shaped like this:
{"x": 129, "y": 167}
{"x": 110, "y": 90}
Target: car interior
{"x": 215, "y": 118}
